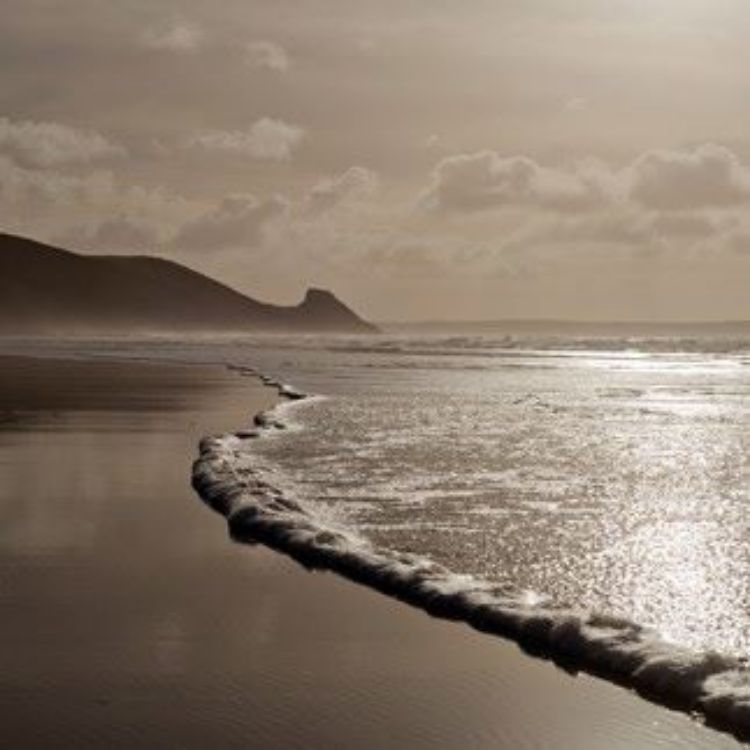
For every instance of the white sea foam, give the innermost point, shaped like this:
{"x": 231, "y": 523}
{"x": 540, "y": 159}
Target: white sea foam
{"x": 709, "y": 684}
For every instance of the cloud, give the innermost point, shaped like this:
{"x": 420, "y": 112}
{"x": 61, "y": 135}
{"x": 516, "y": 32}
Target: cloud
{"x": 180, "y": 38}
{"x": 627, "y": 228}
{"x": 356, "y": 183}
{"x": 683, "y": 225}
{"x": 265, "y": 139}
{"x": 33, "y": 192}
{"x": 738, "y": 241}
{"x": 237, "y": 222}
{"x": 487, "y": 180}
{"x": 630, "y": 226}
{"x": 269, "y": 55}
{"x": 116, "y": 234}
{"x": 622, "y": 227}
{"x": 50, "y": 203}
{"x": 576, "y": 104}
{"x": 709, "y": 176}
{"x": 49, "y": 144}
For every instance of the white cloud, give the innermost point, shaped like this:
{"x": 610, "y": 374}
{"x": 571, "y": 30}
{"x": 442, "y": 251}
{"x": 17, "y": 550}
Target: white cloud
{"x": 576, "y": 104}
{"x": 237, "y": 222}
{"x": 32, "y": 192}
{"x": 681, "y": 202}
{"x": 487, "y": 180}
{"x": 265, "y": 139}
{"x": 44, "y": 201}
{"x": 269, "y": 55}
{"x": 708, "y": 176}
{"x": 180, "y": 37}
{"x": 51, "y": 144}
{"x": 115, "y": 234}
{"x": 356, "y": 183}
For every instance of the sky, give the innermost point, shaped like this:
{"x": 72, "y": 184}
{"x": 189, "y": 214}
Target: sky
{"x": 423, "y": 159}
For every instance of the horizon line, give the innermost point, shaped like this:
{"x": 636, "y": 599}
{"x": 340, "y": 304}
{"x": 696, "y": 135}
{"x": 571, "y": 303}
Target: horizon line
{"x": 570, "y": 321}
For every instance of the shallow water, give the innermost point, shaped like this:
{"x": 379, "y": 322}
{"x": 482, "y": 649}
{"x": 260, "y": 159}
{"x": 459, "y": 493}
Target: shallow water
{"x": 616, "y": 483}
{"x": 586, "y": 496}
{"x": 129, "y": 620}
{"x": 604, "y": 474}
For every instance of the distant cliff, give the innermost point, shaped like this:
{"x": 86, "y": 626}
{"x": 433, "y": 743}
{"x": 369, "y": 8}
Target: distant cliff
{"x": 47, "y": 290}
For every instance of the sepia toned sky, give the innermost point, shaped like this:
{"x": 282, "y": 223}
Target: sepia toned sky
{"x": 425, "y": 159}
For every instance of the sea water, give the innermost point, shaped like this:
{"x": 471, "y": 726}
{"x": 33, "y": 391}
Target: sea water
{"x": 586, "y": 496}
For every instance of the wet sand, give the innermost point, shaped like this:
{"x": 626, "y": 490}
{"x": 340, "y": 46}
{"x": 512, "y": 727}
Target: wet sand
{"x": 129, "y": 619}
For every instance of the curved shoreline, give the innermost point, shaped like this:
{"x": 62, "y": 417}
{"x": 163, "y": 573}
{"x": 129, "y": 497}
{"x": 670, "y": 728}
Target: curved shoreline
{"x": 709, "y": 685}
{"x": 192, "y": 640}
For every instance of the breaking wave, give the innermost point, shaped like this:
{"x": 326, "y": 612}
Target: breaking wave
{"x": 711, "y": 685}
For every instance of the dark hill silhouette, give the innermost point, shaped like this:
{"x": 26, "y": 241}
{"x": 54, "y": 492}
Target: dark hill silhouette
{"x": 44, "y": 289}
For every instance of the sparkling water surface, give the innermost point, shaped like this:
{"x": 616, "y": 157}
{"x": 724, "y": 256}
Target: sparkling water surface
{"x": 609, "y": 475}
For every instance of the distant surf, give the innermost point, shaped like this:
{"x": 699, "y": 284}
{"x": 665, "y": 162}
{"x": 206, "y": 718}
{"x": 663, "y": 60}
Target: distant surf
{"x": 709, "y": 684}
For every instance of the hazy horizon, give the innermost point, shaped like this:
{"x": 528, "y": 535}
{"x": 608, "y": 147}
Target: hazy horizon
{"x": 456, "y": 323}
{"x": 476, "y": 162}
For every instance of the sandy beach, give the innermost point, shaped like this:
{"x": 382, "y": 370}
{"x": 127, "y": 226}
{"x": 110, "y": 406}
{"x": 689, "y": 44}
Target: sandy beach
{"x": 129, "y": 619}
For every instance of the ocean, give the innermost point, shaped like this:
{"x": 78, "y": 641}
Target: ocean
{"x": 585, "y": 496}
